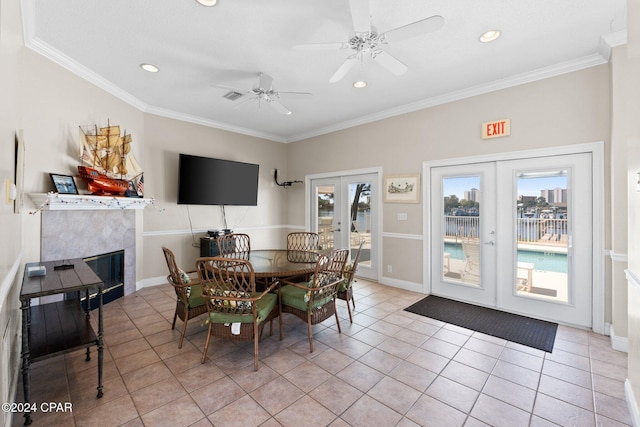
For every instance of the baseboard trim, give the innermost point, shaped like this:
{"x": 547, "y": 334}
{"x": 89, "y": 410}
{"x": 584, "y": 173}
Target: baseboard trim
{"x": 631, "y": 403}
{"x": 151, "y": 281}
{"x": 618, "y": 343}
{"x": 402, "y": 284}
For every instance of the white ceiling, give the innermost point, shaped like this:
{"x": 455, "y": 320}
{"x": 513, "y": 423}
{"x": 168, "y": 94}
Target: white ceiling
{"x": 199, "y": 48}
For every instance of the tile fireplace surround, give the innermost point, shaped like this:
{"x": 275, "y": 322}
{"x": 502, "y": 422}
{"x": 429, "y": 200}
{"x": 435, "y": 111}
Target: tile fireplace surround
{"x": 85, "y": 233}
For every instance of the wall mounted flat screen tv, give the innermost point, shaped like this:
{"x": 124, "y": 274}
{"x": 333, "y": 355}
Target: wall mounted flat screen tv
{"x": 208, "y": 181}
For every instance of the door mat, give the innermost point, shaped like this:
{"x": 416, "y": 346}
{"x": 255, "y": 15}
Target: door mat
{"x": 511, "y": 327}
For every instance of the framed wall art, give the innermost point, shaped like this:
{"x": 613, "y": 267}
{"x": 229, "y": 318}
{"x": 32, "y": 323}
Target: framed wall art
{"x": 19, "y": 171}
{"x": 402, "y": 188}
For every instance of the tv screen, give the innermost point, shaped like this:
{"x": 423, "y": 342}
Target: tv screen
{"x": 208, "y": 181}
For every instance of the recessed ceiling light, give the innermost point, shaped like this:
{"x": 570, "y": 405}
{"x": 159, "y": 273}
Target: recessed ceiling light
{"x": 359, "y": 84}
{"x": 489, "y": 36}
{"x": 150, "y": 68}
{"x": 207, "y": 2}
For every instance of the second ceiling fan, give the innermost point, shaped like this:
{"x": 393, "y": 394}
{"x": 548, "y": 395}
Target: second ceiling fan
{"x": 367, "y": 40}
{"x": 262, "y": 93}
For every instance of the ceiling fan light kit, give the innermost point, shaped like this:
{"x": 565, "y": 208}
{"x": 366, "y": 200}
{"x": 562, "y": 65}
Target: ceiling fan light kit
{"x": 367, "y": 41}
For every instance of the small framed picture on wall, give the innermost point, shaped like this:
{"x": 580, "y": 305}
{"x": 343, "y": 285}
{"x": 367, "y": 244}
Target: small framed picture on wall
{"x": 402, "y": 188}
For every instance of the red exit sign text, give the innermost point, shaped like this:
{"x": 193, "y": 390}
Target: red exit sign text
{"x": 496, "y": 129}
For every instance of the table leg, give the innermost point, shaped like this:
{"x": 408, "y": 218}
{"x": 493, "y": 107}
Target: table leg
{"x": 100, "y": 344}
{"x": 25, "y": 358}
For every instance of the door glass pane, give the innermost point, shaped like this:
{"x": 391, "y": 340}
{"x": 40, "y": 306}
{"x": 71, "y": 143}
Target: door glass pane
{"x": 360, "y": 215}
{"x": 461, "y": 240}
{"x": 542, "y": 214}
{"x": 325, "y": 196}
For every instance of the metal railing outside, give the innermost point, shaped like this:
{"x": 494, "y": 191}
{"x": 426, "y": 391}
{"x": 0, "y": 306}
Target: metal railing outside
{"x": 529, "y": 230}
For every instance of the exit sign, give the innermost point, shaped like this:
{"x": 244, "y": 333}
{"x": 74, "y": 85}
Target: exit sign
{"x": 496, "y": 129}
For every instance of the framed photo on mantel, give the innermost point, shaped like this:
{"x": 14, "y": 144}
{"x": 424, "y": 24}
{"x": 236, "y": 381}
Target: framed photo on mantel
{"x": 402, "y": 188}
{"x": 64, "y": 184}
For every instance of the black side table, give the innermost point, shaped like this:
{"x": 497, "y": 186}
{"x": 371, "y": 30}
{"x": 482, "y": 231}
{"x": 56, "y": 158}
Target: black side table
{"x": 68, "y": 327}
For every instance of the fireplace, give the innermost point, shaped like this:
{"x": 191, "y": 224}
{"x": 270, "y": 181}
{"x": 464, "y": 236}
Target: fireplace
{"x": 110, "y": 268}
{"x": 89, "y": 234}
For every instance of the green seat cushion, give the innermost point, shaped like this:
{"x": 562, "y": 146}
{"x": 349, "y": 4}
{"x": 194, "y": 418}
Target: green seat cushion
{"x": 264, "y": 306}
{"x": 195, "y": 296}
{"x": 295, "y": 297}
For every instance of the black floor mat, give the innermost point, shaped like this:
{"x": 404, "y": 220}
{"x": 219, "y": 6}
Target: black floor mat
{"x": 512, "y": 327}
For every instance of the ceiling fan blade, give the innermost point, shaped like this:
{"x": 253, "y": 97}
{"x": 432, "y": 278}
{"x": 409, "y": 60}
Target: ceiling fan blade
{"x": 343, "y": 70}
{"x": 294, "y": 93}
{"x": 235, "y": 89}
{"x": 278, "y": 106}
{"x": 390, "y": 63}
{"x": 360, "y": 15}
{"x": 415, "y": 29}
{"x": 266, "y": 81}
{"x": 321, "y": 46}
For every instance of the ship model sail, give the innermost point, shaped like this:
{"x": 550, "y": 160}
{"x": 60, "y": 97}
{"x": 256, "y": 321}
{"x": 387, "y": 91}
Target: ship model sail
{"x": 109, "y": 165}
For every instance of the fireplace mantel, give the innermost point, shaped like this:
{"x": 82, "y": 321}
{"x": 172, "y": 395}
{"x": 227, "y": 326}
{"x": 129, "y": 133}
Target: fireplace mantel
{"x": 54, "y": 201}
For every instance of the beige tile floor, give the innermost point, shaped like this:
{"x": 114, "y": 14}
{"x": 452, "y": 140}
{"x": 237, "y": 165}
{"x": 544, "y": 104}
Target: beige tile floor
{"x": 388, "y": 368}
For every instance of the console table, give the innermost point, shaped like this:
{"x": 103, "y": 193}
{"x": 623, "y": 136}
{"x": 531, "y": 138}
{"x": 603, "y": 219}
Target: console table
{"x": 49, "y": 330}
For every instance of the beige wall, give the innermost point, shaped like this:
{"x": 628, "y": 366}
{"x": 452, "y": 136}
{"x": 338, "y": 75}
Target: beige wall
{"x": 569, "y": 109}
{"x": 10, "y": 223}
{"x": 170, "y": 224}
{"x": 619, "y": 206}
{"x": 632, "y": 140}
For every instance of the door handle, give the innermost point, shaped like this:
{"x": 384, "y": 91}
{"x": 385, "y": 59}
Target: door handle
{"x": 490, "y": 242}
{"x": 336, "y": 229}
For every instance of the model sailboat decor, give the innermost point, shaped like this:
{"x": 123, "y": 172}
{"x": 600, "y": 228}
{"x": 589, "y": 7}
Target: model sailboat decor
{"x": 109, "y": 167}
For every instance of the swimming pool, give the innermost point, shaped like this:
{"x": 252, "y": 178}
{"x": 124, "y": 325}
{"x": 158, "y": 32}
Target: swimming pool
{"x": 542, "y": 260}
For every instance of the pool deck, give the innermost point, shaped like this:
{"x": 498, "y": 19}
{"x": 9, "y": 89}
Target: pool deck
{"x": 545, "y": 285}
{"x": 541, "y": 246}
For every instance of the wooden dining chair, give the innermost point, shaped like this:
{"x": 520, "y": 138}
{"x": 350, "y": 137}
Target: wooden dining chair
{"x": 303, "y": 241}
{"x": 302, "y": 246}
{"x": 189, "y": 301}
{"x": 237, "y": 312}
{"x": 345, "y": 291}
{"x": 315, "y": 301}
{"x": 234, "y": 245}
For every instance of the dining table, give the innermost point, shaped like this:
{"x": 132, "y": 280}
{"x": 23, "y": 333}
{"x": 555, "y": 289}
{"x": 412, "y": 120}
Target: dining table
{"x": 270, "y": 264}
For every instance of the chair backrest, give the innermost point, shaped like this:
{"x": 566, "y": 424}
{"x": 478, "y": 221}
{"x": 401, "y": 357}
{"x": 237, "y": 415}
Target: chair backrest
{"x": 302, "y": 246}
{"x": 229, "y": 284}
{"x": 236, "y": 245}
{"x": 303, "y": 241}
{"x": 329, "y": 270}
{"x": 339, "y": 259}
{"x": 174, "y": 272}
{"x": 175, "y": 277}
{"x": 326, "y": 279}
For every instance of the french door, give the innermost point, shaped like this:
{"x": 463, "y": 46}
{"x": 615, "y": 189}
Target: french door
{"x": 516, "y": 235}
{"x": 344, "y": 212}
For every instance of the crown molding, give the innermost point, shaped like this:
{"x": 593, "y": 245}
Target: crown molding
{"x": 212, "y": 123}
{"x": 32, "y": 42}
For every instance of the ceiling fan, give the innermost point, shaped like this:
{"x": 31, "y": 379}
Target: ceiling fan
{"x": 367, "y": 40}
{"x": 262, "y": 93}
